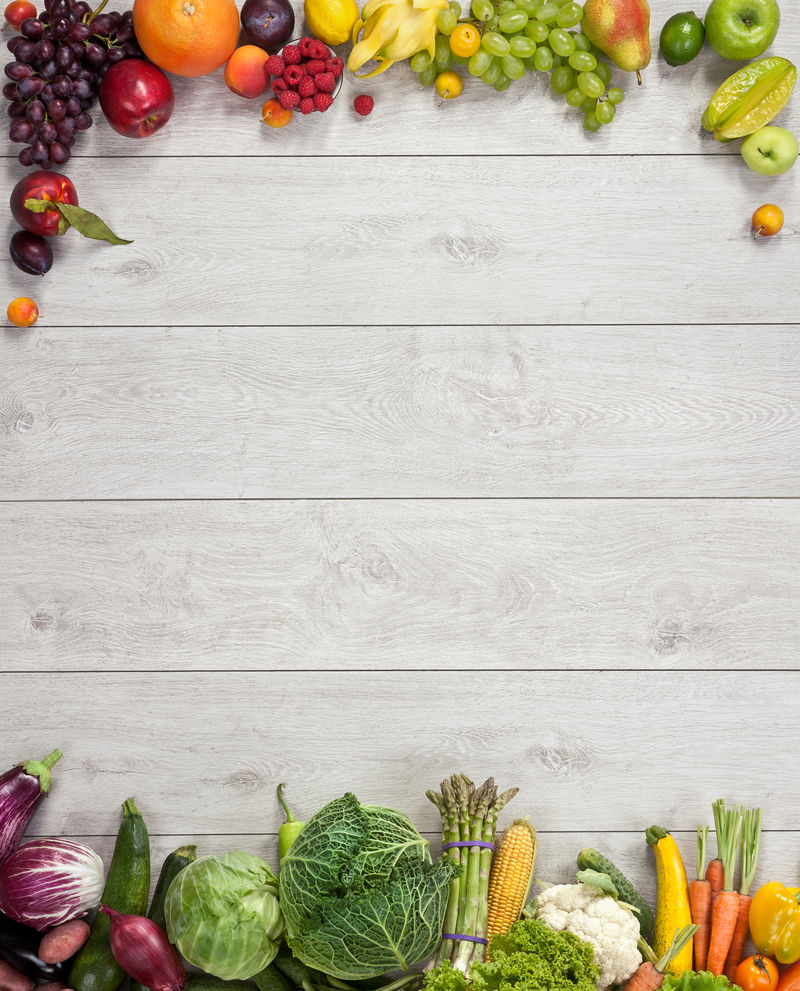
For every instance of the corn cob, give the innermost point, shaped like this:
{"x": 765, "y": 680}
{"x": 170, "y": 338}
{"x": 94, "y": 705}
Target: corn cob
{"x": 510, "y": 880}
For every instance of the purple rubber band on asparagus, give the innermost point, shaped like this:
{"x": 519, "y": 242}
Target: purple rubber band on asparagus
{"x": 483, "y": 843}
{"x": 468, "y": 939}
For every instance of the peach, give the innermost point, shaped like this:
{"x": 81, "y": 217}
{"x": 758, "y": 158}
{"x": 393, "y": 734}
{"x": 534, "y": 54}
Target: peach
{"x": 23, "y": 312}
{"x": 245, "y": 71}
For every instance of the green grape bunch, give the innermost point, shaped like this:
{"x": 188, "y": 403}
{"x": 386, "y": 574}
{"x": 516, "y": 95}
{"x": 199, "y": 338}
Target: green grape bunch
{"x": 519, "y": 36}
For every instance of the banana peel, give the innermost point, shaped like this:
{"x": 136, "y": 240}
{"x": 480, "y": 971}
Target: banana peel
{"x": 750, "y": 98}
{"x": 389, "y": 31}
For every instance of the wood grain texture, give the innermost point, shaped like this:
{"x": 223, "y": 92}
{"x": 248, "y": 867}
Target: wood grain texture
{"x": 204, "y": 752}
{"x": 400, "y": 412}
{"x": 555, "y": 862}
{"x": 396, "y": 584}
{"x": 661, "y": 117}
{"x": 399, "y": 242}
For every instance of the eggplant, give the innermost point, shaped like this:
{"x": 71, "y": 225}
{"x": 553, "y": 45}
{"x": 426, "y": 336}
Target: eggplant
{"x": 19, "y": 946}
{"x": 21, "y": 790}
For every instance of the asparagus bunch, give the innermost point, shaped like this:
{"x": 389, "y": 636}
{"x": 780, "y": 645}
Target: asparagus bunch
{"x": 469, "y": 812}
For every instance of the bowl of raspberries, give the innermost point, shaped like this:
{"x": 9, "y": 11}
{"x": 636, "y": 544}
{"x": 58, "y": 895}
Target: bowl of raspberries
{"x": 306, "y": 75}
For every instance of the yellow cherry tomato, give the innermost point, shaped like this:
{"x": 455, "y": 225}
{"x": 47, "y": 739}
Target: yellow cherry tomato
{"x": 767, "y": 220}
{"x": 22, "y": 312}
{"x": 465, "y": 40}
{"x": 448, "y": 85}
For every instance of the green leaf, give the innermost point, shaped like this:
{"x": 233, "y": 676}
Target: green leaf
{"x": 88, "y": 224}
{"x": 597, "y": 880}
{"x": 38, "y": 206}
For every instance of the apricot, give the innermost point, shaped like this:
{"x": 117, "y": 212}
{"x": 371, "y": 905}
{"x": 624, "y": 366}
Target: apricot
{"x": 22, "y": 312}
{"x": 273, "y": 114}
{"x": 245, "y": 71}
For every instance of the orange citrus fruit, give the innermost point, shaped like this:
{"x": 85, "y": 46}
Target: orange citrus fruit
{"x": 187, "y": 37}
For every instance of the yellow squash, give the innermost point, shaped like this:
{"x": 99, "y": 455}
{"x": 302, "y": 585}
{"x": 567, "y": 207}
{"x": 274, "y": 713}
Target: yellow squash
{"x": 673, "y": 911}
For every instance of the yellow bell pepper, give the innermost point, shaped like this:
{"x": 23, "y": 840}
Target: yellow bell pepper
{"x": 394, "y": 30}
{"x": 775, "y": 921}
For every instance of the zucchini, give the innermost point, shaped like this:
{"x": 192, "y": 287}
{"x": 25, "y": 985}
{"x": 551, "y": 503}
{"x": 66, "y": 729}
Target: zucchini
{"x": 170, "y": 869}
{"x": 207, "y": 982}
{"x": 590, "y": 859}
{"x": 126, "y": 890}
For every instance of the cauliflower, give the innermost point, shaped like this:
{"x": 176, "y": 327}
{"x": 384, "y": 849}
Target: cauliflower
{"x": 596, "y": 918}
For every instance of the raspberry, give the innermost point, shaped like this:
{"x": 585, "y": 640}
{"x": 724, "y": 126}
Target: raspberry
{"x": 274, "y": 65}
{"x": 306, "y": 86}
{"x": 289, "y": 99}
{"x": 293, "y": 74}
{"x": 319, "y": 49}
{"x": 325, "y": 82}
{"x": 322, "y": 101}
{"x": 336, "y": 66}
{"x": 363, "y": 105}
{"x": 279, "y": 85}
{"x": 304, "y": 46}
{"x": 314, "y": 66}
{"x": 307, "y": 105}
{"x": 291, "y": 55}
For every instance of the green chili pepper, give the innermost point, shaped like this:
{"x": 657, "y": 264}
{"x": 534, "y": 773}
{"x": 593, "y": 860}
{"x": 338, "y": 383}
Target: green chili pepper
{"x": 290, "y": 830}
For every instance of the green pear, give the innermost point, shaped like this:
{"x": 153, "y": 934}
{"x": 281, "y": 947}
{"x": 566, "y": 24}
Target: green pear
{"x": 621, "y": 30}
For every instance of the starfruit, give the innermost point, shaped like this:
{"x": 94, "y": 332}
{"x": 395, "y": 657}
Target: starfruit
{"x": 393, "y": 30}
{"x": 750, "y": 98}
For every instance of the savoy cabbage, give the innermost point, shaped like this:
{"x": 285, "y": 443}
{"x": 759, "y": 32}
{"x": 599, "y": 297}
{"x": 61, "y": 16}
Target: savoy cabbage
{"x": 359, "y": 893}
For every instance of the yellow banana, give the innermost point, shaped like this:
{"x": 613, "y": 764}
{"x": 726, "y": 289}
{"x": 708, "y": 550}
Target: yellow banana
{"x": 750, "y": 98}
{"x": 393, "y": 30}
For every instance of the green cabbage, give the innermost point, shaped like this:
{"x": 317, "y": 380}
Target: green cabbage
{"x": 359, "y": 892}
{"x": 224, "y": 916}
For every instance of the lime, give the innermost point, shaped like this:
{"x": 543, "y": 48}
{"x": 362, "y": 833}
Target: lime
{"x": 682, "y": 38}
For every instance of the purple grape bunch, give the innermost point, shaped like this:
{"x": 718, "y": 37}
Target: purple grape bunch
{"x": 60, "y": 58}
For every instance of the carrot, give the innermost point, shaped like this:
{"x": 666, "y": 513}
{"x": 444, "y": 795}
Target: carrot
{"x": 751, "y": 840}
{"x": 646, "y": 978}
{"x": 724, "y": 916}
{"x": 650, "y": 974}
{"x": 725, "y": 911}
{"x": 700, "y": 903}
{"x": 715, "y": 875}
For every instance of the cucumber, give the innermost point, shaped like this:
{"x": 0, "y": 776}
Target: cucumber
{"x": 207, "y": 982}
{"x": 590, "y": 859}
{"x": 271, "y": 979}
{"x": 126, "y": 890}
{"x": 170, "y": 869}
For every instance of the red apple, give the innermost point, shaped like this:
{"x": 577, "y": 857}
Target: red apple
{"x": 136, "y": 98}
{"x": 42, "y": 185}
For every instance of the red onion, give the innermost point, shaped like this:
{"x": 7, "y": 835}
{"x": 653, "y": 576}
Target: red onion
{"x": 21, "y": 790}
{"x": 49, "y": 881}
{"x": 141, "y": 947}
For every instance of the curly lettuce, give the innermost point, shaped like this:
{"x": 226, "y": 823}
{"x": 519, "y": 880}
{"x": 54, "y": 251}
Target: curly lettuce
{"x": 359, "y": 892}
{"x": 529, "y": 957}
{"x": 694, "y": 980}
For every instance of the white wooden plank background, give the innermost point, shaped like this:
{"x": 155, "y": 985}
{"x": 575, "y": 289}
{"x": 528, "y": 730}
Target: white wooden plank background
{"x": 399, "y": 241}
{"x": 408, "y": 584}
{"x": 401, "y": 412}
{"x": 234, "y": 547}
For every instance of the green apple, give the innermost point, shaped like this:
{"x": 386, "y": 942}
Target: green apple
{"x": 770, "y": 150}
{"x": 742, "y": 29}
